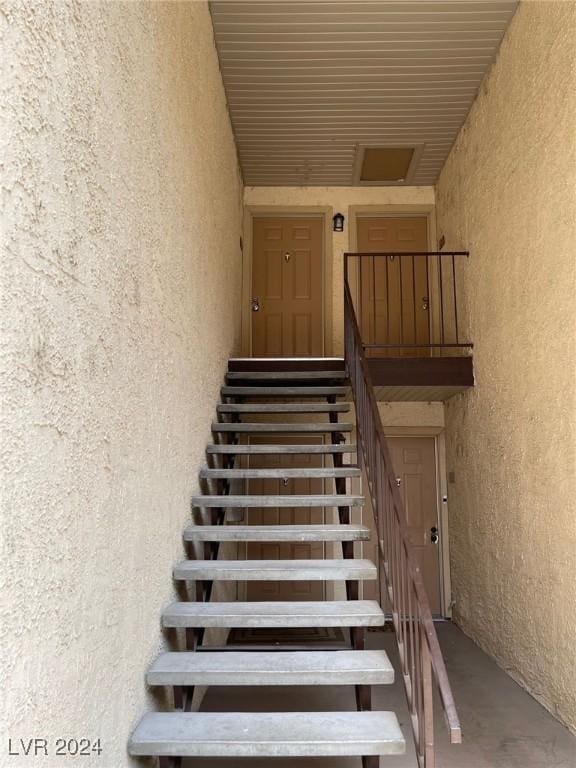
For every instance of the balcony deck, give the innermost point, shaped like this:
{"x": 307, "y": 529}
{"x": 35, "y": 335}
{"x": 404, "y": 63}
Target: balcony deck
{"x": 409, "y": 379}
{"x": 395, "y": 379}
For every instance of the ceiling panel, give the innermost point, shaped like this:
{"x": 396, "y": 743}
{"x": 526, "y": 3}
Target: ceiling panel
{"x": 309, "y": 82}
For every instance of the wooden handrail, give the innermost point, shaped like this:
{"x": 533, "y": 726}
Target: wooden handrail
{"x": 417, "y": 640}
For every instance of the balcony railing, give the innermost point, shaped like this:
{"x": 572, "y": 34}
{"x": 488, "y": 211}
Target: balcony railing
{"x": 401, "y": 578}
{"x": 406, "y": 303}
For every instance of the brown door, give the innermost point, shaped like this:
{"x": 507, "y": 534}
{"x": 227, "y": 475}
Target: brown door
{"x": 287, "y": 287}
{"x": 414, "y": 461}
{"x": 392, "y": 292}
{"x": 285, "y": 590}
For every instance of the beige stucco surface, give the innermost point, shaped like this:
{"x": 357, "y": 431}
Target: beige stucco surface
{"x": 121, "y": 276}
{"x": 338, "y": 199}
{"x": 418, "y": 414}
{"x": 508, "y": 194}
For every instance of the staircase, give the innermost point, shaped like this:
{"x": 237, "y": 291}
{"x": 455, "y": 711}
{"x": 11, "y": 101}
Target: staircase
{"x": 259, "y": 408}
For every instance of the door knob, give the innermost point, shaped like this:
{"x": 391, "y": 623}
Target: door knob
{"x": 434, "y": 534}
{"x": 424, "y": 302}
{"x": 398, "y": 482}
{"x": 287, "y": 257}
{"x": 255, "y": 305}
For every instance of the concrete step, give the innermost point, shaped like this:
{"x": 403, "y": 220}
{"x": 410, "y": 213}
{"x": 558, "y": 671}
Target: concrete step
{"x": 283, "y": 473}
{"x": 310, "y": 613}
{"x": 256, "y": 449}
{"x": 334, "y": 532}
{"x": 272, "y": 668}
{"x": 262, "y": 391}
{"x": 275, "y": 570}
{"x": 286, "y": 375}
{"x": 283, "y": 408}
{"x": 267, "y": 734}
{"x": 272, "y": 426}
{"x": 280, "y": 500}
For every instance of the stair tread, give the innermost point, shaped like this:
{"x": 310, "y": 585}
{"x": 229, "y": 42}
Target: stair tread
{"x": 279, "y": 500}
{"x": 267, "y": 734}
{"x": 334, "y": 532}
{"x": 281, "y": 448}
{"x": 309, "y": 613}
{"x": 283, "y": 408}
{"x": 285, "y": 375}
{"x": 276, "y": 570}
{"x": 281, "y": 472}
{"x": 272, "y": 668}
{"x": 279, "y": 391}
{"x": 281, "y": 426}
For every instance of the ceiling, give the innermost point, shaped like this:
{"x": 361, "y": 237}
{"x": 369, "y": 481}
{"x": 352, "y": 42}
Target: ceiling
{"x": 308, "y": 83}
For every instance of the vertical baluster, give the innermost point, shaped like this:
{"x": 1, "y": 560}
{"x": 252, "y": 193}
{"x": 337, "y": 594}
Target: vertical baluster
{"x": 428, "y": 299}
{"x": 402, "y": 605}
{"x": 375, "y": 339}
{"x": 455, "y": 300}
{"x": 387, "y": 302}
{"x": 392, "y": 549}
{"x": 393, "y": 563}
{"x": 413, "y": 259}
{"x": 361, "y": 308}
{"x": 401, "y": 299}
{"x": 398, "y": 601}
{"x": 427, "y": 732}
{"x": 441, "y": 297}
{"x": 389, "y": 523}
{"x": 380, "y": 529}
{"x": 397, "y": 546}
{"x": 418, "y": 683}
{"x": 386, "y": 535}
{"x": 359, "y": 289}
{"x": 412, "y": 657}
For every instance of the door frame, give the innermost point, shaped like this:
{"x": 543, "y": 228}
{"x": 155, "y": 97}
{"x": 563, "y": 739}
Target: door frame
{"x": 426, "y": 210}
{"x": 439, "y": 436}
{"x": 322, "y": 212}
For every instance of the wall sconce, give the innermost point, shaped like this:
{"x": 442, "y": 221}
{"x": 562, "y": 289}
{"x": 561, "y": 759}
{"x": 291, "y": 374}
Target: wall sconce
{"x": 338, "y": 222}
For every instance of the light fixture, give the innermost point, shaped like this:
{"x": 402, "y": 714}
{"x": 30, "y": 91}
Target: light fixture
{"x": 338, "y": 222}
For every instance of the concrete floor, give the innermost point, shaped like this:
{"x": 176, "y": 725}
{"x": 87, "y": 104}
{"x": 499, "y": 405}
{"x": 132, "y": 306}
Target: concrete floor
{"x": 503, "y": 727}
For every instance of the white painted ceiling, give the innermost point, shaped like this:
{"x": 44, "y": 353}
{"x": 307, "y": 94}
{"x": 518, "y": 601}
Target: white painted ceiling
{"x": 307, "y": 82}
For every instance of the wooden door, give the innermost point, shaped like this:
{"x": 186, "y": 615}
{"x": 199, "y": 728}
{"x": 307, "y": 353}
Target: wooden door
{"x": 393, "y": 292}
{"x": 414, "y": 461}
{"x": 287, "y": 316}
{"x": 285, "y": 590}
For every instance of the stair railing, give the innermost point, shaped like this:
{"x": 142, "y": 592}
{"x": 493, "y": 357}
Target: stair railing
{"x": 400, "y": 574}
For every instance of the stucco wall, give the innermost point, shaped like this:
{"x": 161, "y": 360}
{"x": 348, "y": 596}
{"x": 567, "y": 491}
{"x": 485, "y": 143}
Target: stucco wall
{"x": 121, "y": 273}
{"x": 339, "y": 199}
{"x": 508, "y": 193}
{"x": 418, "y": 414}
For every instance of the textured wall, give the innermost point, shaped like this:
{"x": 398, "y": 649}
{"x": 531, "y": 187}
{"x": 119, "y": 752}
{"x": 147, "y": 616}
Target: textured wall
{"x": 339, "y": 199}
{"x": 508, "y": 193}
{"x": 419, "y": 414}
{"x": 120, "y": 290}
